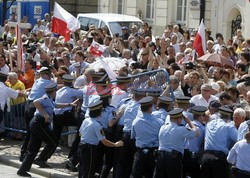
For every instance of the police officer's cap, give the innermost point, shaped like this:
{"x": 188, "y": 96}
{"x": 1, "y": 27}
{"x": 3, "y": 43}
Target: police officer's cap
{"x": 176, "y": 113}
{"x": 105, "y": 93}
{"x": 225, "y": 111}
{"x": 102, "y": 82}
{"x": 146, "y": 101}
{"x": 199, "y": 110}
{"x": 123, "y": 79}
{"x": 214, "y": 104}
{"x": 166, "y": 99}
{"x": 95, "y": 105}
{"x": 139, "y": 91}
{"x": 183, "y": 100}
{"x": 154, "y": 92}
{"x": 44, "y": 70}
{"x": 97, "y": 75}
{"x": 51, "y": 87}
{"x": 67, "y": 78}
{"x": 3, "y": 74}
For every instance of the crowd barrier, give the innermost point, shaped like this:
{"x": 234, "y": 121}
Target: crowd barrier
{"x": 13, "y": 116}
{"x": 13, "y": 119}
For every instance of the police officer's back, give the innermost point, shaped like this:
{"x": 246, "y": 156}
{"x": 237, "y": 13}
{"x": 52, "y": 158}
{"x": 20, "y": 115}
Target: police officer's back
{"x": 218, "y": 135}
{"x": 171, "y": 145}
{"x": 164, "y": 104}
{"x": 145, "y": 130}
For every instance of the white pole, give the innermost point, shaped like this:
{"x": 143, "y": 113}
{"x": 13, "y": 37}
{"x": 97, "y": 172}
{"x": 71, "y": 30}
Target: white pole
{"x": 19, "y": 30}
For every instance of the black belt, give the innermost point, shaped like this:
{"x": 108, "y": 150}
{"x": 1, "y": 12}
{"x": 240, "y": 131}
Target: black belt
{"x": 87, "y": 144}
{"x": 191, "y": 154}
{"x": 219, "y": 154}
{"x": 148, "y": 148}
{"x": 172, "y": 154}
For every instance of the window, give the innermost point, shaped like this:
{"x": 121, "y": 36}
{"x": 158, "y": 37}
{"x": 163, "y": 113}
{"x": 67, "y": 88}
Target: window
{"x": 150, "y": 9}
{"x": 119, "y": 7}
{"x": 181, "y": 10}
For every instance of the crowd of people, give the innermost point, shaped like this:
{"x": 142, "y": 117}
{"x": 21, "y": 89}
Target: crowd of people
{"x": 200, "y": 129}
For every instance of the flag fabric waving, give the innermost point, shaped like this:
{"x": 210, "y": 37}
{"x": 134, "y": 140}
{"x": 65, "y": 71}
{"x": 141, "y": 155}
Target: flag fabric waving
{"x": 63, "y": 22}
{"x": 200, "y": 40}
{"x": 96, "y": 49}
{"x": 20, "y": 61}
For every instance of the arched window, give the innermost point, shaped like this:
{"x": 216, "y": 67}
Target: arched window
{"x": 181, "y": 10}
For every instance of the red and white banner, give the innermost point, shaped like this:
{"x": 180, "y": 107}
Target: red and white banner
{"x": 63, "y": 22}
{"x": 200, "y": 40}
{"x": 20, "y": 61}
{"x": 96, "y": 49}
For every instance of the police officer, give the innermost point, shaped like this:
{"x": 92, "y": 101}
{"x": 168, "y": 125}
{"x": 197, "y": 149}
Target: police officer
{"x": 108, "y": 114}
{"x": 41, "y": 131}
{"x": 91, "y": 133}
{"x": 145, "y": 131}
{"x": 239, "y": 156}
{"x": 163, "y": 105}
{"x": 6, "y": 92}
{"x": 126, "y": 153}
{"x": 171, "y": 145}
{"x": 65, "y": 116}
{"x": 194, "y": 146}
{"x": 218, "y": 134}
{"x": 37, "y": 91}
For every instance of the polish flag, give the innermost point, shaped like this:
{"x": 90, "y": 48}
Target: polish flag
{"x": 63, "y": 22}
{"x": 96, "y": 49}
{"x": 200, "y": 40}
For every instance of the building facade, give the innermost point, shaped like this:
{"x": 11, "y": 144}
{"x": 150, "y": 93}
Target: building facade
{"x": 224, "y": 16}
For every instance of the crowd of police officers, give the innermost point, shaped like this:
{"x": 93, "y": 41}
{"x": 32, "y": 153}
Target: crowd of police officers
{"x": 135, "y": 132}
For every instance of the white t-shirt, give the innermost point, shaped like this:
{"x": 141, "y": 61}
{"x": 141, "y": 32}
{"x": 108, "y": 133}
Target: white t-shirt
{"x": 5, "y": 69}
{"x": 6, "y": 92}
{"x": 198, "y": 100}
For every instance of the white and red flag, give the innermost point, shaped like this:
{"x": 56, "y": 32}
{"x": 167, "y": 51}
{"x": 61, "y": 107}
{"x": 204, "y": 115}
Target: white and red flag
{"x": 20, "y": 60}
{"x": 200, "y": 40}
{"x": 63, "y": 22}
{"x": 96, "y": 49}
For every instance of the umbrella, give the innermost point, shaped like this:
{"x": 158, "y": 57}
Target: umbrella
{"x": 216, "y": 59}
{"x": 113, "y": 63}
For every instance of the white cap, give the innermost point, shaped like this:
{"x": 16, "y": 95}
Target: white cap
{"x": 215, "y": 86}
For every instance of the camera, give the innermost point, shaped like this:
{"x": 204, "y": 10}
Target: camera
{"x": 117, "y": 35}
{"x": 190, "y": 65}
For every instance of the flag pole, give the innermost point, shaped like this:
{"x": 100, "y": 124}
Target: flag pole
{"x": 19, "y": 31}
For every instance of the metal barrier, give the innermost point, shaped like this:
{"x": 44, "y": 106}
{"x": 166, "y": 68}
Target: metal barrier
{"x": 13, "y": 119}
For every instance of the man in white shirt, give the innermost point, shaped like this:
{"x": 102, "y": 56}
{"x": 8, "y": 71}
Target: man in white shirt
{"x": 84, "y": 79}
{"x": 3, "y": 66}
{"x": 205, "y": 97}
{"x": 38, "y": 27}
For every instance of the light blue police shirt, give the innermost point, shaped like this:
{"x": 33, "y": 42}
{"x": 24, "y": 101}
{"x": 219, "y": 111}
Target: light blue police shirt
{"x": 130, "y": 114}
{"x": 194, "y": 144}
{"x": 91, "y": 131}
{"x": 172, "y": 137}
{"x": 145, "y": 130}
{"x": 161, "y": 113}
{"x": 38, "y": 88}
{"x": 66, "y": 95}
{"x": 107, "y": 115}
{"x": 242, "y": 130}
{"x": 219, "y": 134}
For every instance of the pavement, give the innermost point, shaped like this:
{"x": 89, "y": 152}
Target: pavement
{"x": 10, "y": 172}
{"x": 44, "y": 172}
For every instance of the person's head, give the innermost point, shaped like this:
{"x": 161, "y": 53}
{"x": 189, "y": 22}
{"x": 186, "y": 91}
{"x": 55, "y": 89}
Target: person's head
{"x": 222, "y": 85}
{"x": 88, "y": 74}
{"x": 13, "y": 78}
{"x": 107, "y": 40}
{"x": 225, "y": 99}
{"x": 239, "y": 116}
{"x": 45, "y": 73}
{"x": 173, "y": 67}
{"x": 67, "y": 80}
{"x": 248, "y": 97}
{"x": 245, "y": 57}
{"x": 13, "y": 16}
{"x": 196, "y": 90}
{"x": 174, "y": 38}
{"x": 146, "y": 104}
{"x": 171, "y": 51}
{"x": 174, "y": 82}
{"x": 46, "y": 16}
{"x": 217, "y": 74}
{"x": 199, "y": 113}
{"x": 219, "y": 38}
{"x": 176, "y": 115}
{"x": 2, "y": 60}
{"x": 234, "y": 93}
{"x": 164, "y": 102}
{"x": 95, "y": 109}
{"x": 243, "y": 88}
{"x": 194, "y": 78}
{"x": 155, "y": 64}
{"x": 183, "y": 102}
{"x": 225, "y": 112}
{"x": 79, "y": 56}
{"x": 182, "y": 47}
{"x": 51, "y": 90}
{"x": 214, "y": 106}
{"x": 224, "y": 51}
{"x": 126, "y": 54}
{"x": 39, "y": 22}
{"x": 144, "y": 55}
{"x": 206, "y": 90}
{"x": 215, "y": 88}
{"x": 177, "y": 73}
